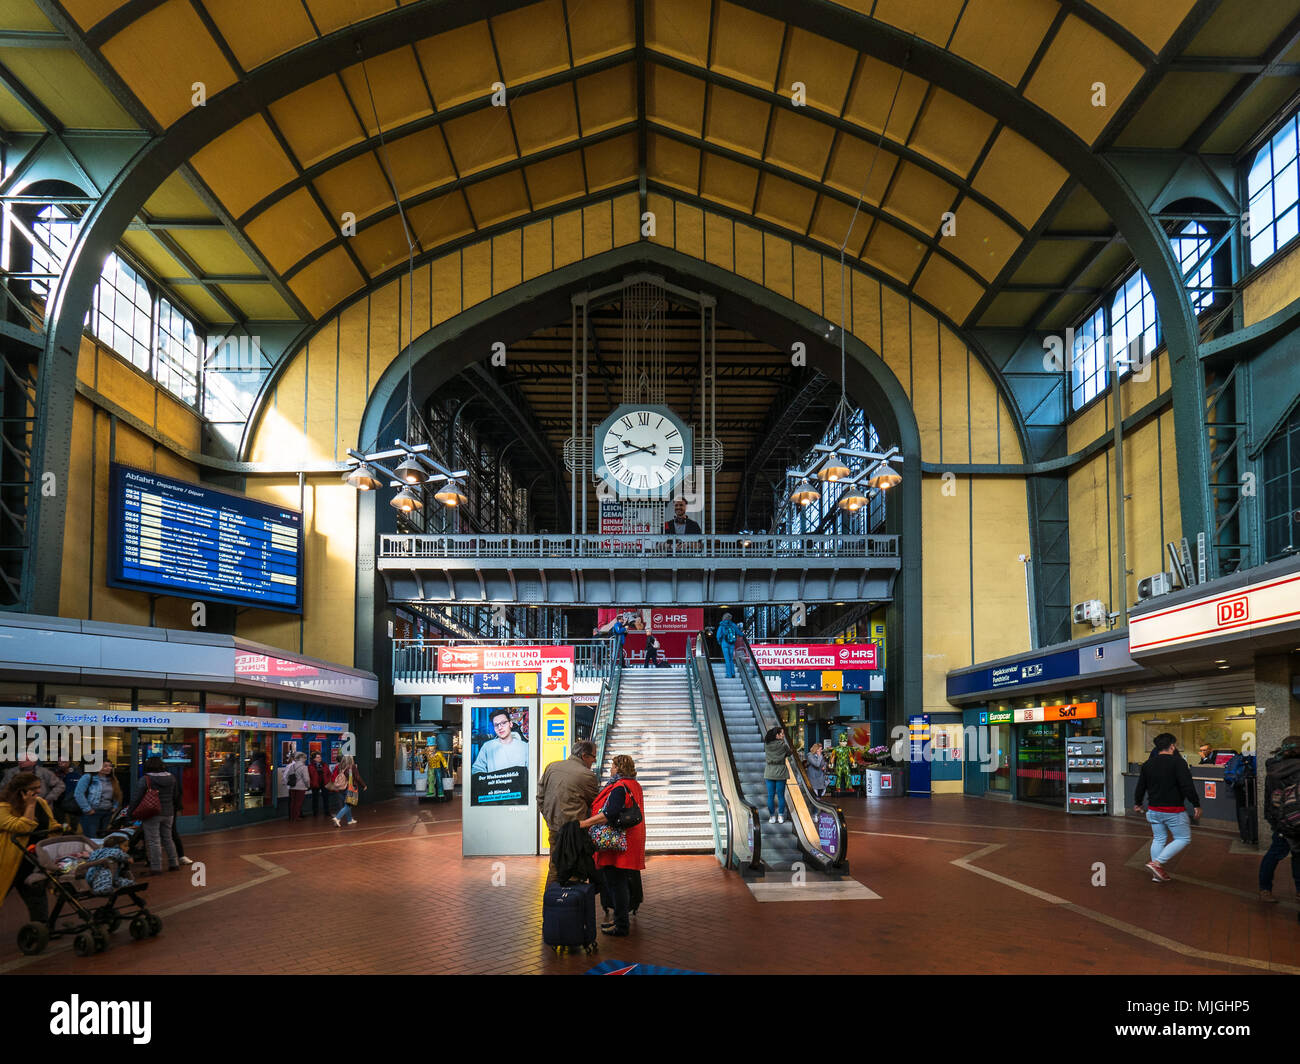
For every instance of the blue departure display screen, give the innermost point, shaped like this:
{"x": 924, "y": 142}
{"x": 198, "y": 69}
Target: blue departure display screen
{"x": 176, "y": 538}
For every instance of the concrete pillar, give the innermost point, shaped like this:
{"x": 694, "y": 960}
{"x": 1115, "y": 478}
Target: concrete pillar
{"x": 1276, "y": 709}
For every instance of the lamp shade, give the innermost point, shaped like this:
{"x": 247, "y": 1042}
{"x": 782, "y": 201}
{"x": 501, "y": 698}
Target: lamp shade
{"x": 884, "y": 477}
{"x": 451, "y": 495}
{"x": 411, "y": 471}
{"x": 853, "y": 500}
{"x": 407, "y": 501}
{"x": 833, "y": 468}
{"x": 362, "y": 477}
{"x": 805, "y": 493}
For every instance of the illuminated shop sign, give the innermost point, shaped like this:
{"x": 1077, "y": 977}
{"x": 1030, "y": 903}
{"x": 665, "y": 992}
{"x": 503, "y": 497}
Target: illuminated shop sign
{"x": 1043, "y": 714}
{"x": 1243, "y": 611}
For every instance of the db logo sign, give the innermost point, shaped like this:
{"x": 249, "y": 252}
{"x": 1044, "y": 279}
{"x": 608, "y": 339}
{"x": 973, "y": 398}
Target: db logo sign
{"x": 1234, "y": 611}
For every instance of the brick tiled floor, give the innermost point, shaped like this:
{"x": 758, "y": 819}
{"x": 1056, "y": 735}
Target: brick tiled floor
{"x": 965, "y": 886}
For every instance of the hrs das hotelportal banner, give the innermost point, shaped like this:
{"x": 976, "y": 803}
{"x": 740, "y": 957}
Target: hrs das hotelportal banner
{"x": 175, "y": 538}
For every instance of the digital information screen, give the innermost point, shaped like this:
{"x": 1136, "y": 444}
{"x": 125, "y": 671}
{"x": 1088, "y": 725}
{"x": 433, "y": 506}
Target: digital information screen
{"x": 172, "y": 537}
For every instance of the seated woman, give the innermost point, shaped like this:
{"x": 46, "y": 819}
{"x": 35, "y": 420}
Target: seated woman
{"x": 22, "y": 812}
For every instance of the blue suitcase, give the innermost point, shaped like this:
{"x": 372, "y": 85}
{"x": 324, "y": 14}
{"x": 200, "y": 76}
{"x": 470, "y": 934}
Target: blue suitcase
{"x": 569, "y": 917}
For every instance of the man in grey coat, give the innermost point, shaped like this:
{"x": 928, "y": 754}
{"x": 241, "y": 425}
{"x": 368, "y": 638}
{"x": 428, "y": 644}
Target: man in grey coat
{"x": 51, "y": 785}
{"x": 566, "y": 790}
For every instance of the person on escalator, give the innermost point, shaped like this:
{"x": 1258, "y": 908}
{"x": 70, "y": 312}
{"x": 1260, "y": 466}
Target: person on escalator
{"x": 727, "y": 632}
{"x": 775, "y": 773}
{"x": 817, "y": 770}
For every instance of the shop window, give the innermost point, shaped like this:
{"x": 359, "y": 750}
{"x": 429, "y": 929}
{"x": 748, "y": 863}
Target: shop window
{"x": 114, "y": 699}
{"x": 1088, "y": 360}
{"x": 17, "y": 694}
{"x": 1274, "y": 193}
{"x": 257, "y": 774}
{"x": 1280, "y": 465}
{"x": 169, "y": 702}
{"x": 259, "y": 707}
{"x": 179, "y": 750}
{"x": 1224, "y": 728}
{"x": 221, "y": 757}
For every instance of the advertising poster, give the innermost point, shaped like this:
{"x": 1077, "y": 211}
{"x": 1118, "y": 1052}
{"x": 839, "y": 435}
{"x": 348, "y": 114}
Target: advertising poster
{"x": 556, "y": 743}
{"x": 815, "y": 655}
{"x": 499, "y": 755}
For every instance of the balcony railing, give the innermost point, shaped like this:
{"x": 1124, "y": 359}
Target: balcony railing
{"x": 738, "y": 547}
{"x": 416, "y": 660}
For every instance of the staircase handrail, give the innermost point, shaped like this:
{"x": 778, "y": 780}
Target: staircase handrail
{"x": 710, "y": 763}
{"x": 608, "y": 701}
{"x": 802, "y": 800}
{"x": 746, "y": 839}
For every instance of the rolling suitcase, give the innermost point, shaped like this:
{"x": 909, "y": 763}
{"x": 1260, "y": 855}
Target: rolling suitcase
{"x": 569, "y": 917}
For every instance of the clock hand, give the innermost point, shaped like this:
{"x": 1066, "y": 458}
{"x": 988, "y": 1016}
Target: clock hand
{"x": 649, "y": 450}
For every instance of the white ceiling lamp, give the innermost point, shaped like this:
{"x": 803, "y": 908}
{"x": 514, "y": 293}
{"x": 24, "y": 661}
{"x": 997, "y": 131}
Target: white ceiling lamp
{"x": 450, "y": 495}
{"x": 853, "y": 500}
{"x": 833, "y": 468}
{"x": 412, "y": 471}
{"x": 406, "y": 501}
{"x": 362, "y": 477}
{"x": 805, "y": 493}
{"x": 884, "y": 477}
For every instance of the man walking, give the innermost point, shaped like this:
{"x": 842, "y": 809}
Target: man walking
{"x": 1166, "y": 781}
{"x": 1281, "y": 783}
{"x": 565, "y": 792}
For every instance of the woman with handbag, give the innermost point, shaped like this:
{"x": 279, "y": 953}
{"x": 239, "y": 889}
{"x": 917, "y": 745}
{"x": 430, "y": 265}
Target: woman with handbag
{"x": 153, "y": 802}
{"x": 619, "y": 806}
{"x": 347, "y": 785}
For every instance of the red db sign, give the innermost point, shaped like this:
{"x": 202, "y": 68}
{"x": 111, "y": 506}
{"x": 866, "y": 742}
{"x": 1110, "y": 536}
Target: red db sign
{"x": 1234, "y": 611}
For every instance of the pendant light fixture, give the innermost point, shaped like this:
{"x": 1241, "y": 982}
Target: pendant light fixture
{"x": 884, "y": 477}
{"x": 406, "y": 501}
{"x": 805, "y": 493}
{"x": 363, "y": 477}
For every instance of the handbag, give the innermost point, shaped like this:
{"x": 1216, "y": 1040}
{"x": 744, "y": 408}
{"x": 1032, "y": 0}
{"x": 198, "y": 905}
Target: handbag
{"x": 150, "y": 805}
{"x": 352, "y": 796}
{"x": 608, "y": 839}
{"x": 627, "y": 817}
{"x": 339, "y": 782}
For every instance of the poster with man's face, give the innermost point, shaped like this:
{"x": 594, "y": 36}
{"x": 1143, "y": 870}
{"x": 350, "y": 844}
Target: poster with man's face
{"x": 499, "y": 755}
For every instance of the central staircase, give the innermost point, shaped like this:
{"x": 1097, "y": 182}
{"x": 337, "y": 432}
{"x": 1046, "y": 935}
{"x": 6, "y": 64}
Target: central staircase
{"x": 652, "y": 723}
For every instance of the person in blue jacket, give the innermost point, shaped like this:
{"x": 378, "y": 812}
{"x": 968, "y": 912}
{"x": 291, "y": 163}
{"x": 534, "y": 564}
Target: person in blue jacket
{"x": 620, "y": 633}
{"x": 727, "y": 632}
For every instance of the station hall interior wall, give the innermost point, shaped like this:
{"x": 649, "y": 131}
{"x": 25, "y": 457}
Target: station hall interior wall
{"x": 973, "y": 529}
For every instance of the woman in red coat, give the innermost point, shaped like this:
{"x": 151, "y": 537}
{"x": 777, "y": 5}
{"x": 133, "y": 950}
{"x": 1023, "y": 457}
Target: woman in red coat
{"x": 616, "y": 868}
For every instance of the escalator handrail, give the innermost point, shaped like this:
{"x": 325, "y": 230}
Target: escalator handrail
{"x": 605, "y": 708}
{"x": 743, "y": 853}
{"x": 765, "y": 711}
{"x": 721, "y": 852}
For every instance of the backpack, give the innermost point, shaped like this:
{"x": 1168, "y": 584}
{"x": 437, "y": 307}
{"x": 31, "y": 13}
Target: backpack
{"x": 1239, "y": 769}
{"x": 727, "y": 632}
{"x": 1283, "y": 810}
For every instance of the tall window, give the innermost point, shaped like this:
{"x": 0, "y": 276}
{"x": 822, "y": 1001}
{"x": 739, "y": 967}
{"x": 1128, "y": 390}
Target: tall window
{"x": 1274, "y": 193}
{"x": 123, "y": 311}
{"x": 53, "y": 229}
{"x": 178, "y": 353}
{"x": 1133, "y": 314}
{"x": 1192, "y": 247}
{"x": 1088, "y": 360}
{"x": 1281, "y": 468}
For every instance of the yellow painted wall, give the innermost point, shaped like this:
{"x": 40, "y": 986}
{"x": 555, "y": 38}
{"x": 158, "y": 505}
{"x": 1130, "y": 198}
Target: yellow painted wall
{"x": 973, "y": 592}
{"x": 1272, "y": 288}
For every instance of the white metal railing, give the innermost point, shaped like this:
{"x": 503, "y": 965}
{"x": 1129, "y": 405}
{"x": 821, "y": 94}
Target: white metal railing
{"x": 758, "y": 548}
{"x": 416, "y": 660}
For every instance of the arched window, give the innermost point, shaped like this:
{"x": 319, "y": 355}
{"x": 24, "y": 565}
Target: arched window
{"x": 1281, "y": 490}
{"x": 53, "y": 227}
{"x": 1195, "y": 263}
{"x": 1274, "y": 193}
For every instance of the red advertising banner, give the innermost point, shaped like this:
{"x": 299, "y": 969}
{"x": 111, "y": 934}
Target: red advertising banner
{"x": 815, "y": 655}
{"x": 504, "y": 659}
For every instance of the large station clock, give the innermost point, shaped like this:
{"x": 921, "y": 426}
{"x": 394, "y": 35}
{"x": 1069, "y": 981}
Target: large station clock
{"x": 642, "y": 450}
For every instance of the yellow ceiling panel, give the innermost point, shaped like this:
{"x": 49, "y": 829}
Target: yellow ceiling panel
{"x": 15, "y": 117}
{"x": 1174, "y": 109}
{"x": 162, "y": 75}
{"x": 611, "y": 162}
{"x": 498, "y": 198}
{"x": 799, "y": 143}
{"x": 381, "y": 246}
{"x": 459, "y": 64}
{"x": 1242, "y": 28}
{"x": 952, "y": 132}
{"x": 358, "y": 185}
{"x": 824, "y": 67}
{"x": 259, "y": 302}
{"x": 608, "y": 98}
{"x": 678, "y": 27}
{"x": 931, "y": 20}
{"x": 145, "y": 247}
{"x": 920, "y": 198}
{"x": 1078, "y": 60}
{"x": 747, "y": 45}
{"x": 614, "y": 31}
{"x": 831, "y": 220}
{"x": 948, "y": 289}
{"x": 532, "y": 41}
{"x": 981, "y": 239}
{"x": 729, "y": 182}
{"x": 674, "y": 99}
{"x": 175, "y": 198}
{"x": 1080, "y": 211}
{"x": 88, "y": 12}
{"x": 23, "y": 15}
{"x": 893, "y": 251}
{"x": 317, "y": 121}
{"x": 785, "y": 203}
{"x": 419, "y": 162}
{"x": 261, "y": 31}
{"x": 1152, "y": 24}
{"x": 851, "y": 163}
{"x": 736, "y": 121}
{"x": 480, "y": 140}
{"x": 397, "y": 86}
{"x": 1019, "y": 177}
{"x": 1250, "y": 116}
{"x": 214, "y": 251}
{"x": 672, "y": 163}
{"x": 289, "y": 229}
{"x": 1052, "y": 262}
{"x": 326, "y": 281}
{"x": 555, "y": 180}
{"x": 1011, "y": 309}
{"x": 872, "y": 93}
{"x": 331, "y": 15}
{"x": 207, "y": 308}
{"x": 441, "y": 220}
{"x": 65, "y": 85}
{"x": 225, "y": 166}
{"x": 1003, "y": 35}
{"x": 544, "y": 119}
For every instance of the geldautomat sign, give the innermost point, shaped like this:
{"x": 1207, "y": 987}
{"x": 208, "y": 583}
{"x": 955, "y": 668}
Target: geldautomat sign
{"x": 1058, "y": 666}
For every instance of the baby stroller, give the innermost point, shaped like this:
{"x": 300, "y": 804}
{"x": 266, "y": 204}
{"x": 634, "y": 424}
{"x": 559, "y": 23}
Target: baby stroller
{"x": 121, "y": 823}
{"x": 89, "y": 916}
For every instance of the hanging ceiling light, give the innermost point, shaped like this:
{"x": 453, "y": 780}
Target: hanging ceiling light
{"x": 363, "y": 477}
{"x": 833, "y": 469}
{"x": 1243, "y": 715}
{"x": 805, "y": 493}
{"x": 407, "y": 501}
{"x": 411, "y": 471}
{"x": 1156, "y": 720}
{"x": 853, "y": 500}
{"x": 884, "y": 477}
{"x": 450, "y": 494}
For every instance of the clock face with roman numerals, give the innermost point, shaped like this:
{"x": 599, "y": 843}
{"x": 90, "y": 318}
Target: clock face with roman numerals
{"x": 642, "y": 451}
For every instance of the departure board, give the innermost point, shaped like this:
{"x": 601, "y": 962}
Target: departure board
{"x": 175, "y": 538}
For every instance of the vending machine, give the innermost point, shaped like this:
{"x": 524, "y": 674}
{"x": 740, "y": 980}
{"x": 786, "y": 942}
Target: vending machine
{"x": 1085, "y": 774}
